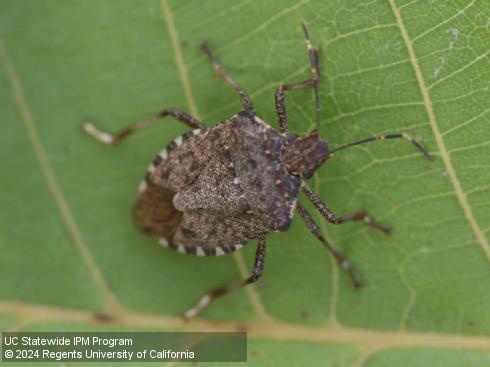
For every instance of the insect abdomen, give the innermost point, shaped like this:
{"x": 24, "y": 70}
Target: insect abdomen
{"x": 154, "y": 212}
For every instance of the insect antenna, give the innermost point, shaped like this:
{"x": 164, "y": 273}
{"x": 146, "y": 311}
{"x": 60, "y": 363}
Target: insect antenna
{"x": 313, "y": 55}
{"x": 384, "y": 137}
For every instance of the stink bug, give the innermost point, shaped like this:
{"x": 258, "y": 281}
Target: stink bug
{"x": 212, "y": 190}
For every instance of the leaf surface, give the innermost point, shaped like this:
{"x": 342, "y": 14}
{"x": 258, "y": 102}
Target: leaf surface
{"x": 69, "y": 249}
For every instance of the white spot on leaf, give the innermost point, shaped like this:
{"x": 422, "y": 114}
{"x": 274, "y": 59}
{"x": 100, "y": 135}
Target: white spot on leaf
{"x": 437, "y": 70}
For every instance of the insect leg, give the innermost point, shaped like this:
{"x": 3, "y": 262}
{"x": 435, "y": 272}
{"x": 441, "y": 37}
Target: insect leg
{"x": 281, "y": 103}
{"x": 247, "y": 103}
{"x": 257, "y": 272}
{"x": 384, "y": 137}
{"x": 330, "y": 216}
{"x": 310, "y": 83}
{"x": 341, "y": 259}
{"x": 117, "y": 137}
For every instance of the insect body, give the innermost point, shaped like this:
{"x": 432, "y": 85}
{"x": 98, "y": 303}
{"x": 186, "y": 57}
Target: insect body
{"x": 212, "y": 190}
{"x": 220, "y": 188}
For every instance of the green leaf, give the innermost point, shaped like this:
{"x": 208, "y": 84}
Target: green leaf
{"x": 70, "y": 251}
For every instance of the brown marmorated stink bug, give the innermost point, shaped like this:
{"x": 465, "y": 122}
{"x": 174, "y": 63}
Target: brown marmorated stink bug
{"x": 212, "y": 190}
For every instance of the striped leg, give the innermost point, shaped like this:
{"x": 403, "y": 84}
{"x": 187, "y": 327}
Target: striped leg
{"x": 247, "y": 103}
{"x": 281, "y": 103}
{"x": 341, "y": 259}
{"x": 116, "y": 138}
{"x": 257, "y": 272}
{"x": 310, "y": 83}
{"x": 331, "y": 218}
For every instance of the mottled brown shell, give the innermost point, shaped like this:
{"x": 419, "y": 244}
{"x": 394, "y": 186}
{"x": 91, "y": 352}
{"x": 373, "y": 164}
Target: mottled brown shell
{"x": 212, "y": 190}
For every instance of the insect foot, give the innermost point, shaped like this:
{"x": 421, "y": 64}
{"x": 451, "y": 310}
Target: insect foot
{"x": 212, "y": 190}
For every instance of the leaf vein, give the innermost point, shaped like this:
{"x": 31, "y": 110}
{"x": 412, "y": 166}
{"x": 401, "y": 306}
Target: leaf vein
{"x": 456, "y": 184}
{"x": 272, "y": 329}
{"x": 469, "y": 147}
{"x": 52, "y": 182}
{"x": 465, "y": 123}
{"x": 462, "y": 11}
{"x": 182, "y": 69}
{"x": 257, "y": 30}
{"x": 179, "y": 60}
{"x": 456, "y": 72}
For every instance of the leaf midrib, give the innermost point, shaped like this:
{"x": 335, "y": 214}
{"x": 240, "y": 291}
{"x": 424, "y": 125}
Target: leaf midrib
{"x": 446, "y": 159}
{"x": 271, "y": 329}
